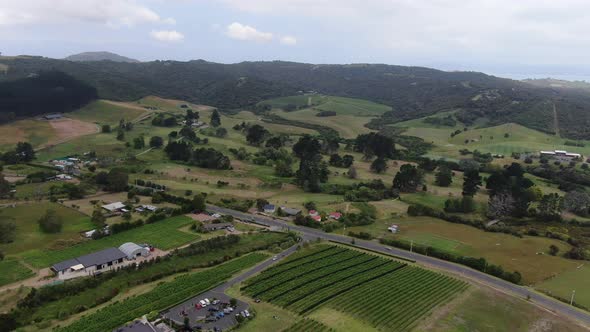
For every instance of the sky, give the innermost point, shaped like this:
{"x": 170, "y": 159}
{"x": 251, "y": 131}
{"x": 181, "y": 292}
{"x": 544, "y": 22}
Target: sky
{"x": 511, "y": 38}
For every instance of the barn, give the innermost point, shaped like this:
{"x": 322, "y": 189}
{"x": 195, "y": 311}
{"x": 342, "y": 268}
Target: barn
{"x": 132, "y": 250}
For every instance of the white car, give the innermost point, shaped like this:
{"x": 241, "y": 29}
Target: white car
{"x": 203, "y": 303}
{"x": 275, "y": 258}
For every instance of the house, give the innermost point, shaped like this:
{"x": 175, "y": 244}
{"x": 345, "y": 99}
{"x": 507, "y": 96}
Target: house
{"x": 335, "y": 215}
{"x": 54, "y": 116}
{"x": 63, "y": 177}
{"x": 290, "y": 211}
{"x": 392, "y": 228}
{"x": 214, "y": 227}
{"x": 561, "y": 154}
{"x": 114, "y": 207}
{"x": 313, "y": 213}
{"x": 132, "y": 250}
{"x": 91, "y": 264}
{"x": 317, "y": 218}
{"x": 269, "y": 208}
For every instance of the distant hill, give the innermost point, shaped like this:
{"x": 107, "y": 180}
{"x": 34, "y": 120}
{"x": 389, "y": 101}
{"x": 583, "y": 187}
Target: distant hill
{"x": 99, "y": 56}
{"x": 558, "y": 84}
{"x": 412, "y": 92}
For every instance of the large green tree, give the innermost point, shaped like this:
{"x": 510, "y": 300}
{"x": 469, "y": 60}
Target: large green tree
{"x": 471, "y": 182}
{"x": 215, "y": 119}
{"x": 256, "y": 134}
{"x": 50, "y": 222}
{"x": 312, "y": 171}
{"x": 443, "y": 176}
{"x": 408, "y": 178}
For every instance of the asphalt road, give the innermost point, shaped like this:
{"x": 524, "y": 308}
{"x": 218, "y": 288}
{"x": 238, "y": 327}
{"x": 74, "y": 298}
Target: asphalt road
{"x": 546, "y": 302}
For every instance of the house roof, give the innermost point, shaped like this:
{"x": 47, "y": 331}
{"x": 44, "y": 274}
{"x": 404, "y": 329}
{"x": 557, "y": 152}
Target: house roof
{"x": 217, "y": 226}
{"x": 317, "y": 218}
{"x": 269, "y": 207}
{"x": 290, "y": 211}
{"x": 65, "y": 264}
{"x": 101, "y": 257}
{"x": 113, "y": 206}
{"x": 335, "y": 215}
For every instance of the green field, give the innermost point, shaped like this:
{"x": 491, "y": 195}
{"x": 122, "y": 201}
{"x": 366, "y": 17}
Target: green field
{"x": 340, "y": 105}
{"x": 305, "y": 325}
{"x": 565, "y": 283}
{"x": 349, "y": 126}
{"x": 108, "y": 112}
{"x": 380, "y": 292}
{"x": 163, "y": 234}
{"x": 28, "y": 234}
{"x": 13, "y": 271}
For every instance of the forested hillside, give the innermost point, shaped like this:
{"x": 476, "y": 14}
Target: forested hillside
{"x": 412, "y": 91}
{"x": 44, "y": 92}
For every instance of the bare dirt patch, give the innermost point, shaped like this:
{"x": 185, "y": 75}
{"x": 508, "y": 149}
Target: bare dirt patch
{"x": 67, "y": 129}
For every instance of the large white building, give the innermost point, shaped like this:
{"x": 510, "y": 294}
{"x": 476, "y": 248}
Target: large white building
{"x": 561, "y": 154}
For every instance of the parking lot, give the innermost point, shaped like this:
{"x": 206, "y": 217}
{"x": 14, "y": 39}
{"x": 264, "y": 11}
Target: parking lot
{"x": 209, "y": 317}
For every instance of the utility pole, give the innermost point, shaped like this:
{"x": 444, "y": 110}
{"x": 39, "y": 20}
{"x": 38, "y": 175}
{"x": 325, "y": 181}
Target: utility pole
{"x": 411, "y": 245}
{"x": 572, "y": 299}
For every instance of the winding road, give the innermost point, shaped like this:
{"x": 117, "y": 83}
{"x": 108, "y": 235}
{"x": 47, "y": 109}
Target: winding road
{"x": 541, "y": 300}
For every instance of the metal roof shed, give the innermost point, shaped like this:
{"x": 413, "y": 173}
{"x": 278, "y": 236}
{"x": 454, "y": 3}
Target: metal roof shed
{"x": 132, "y": 250}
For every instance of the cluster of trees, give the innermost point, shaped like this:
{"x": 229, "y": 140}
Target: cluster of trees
{"x": 164, "y": 120}
{"x": 201, "y": 157}
{"x": 116, "y": 180}
{"x": 408, "y": 179}
{"x": 325, "y": 113}
{"x": 50, "y": 222}
{"x": 341, "y": 161}
{"x": 23, "y": 153}
{"x": 375, "y": 145}
{"x": 312, "y": 170}
{"x": 448, "y": 121}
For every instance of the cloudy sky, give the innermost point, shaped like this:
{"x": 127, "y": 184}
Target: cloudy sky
{"x": 517, "y": 38}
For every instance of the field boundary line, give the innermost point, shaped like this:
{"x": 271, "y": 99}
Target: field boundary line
{"x": 374, "y": 251}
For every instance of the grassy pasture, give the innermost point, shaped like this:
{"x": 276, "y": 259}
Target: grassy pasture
{"x": 563, "y": 284}
{"x": 13, "y": 271}
{"x": 108, "y": 112}
{"x": 28, "y": 234}
{"x": 486, "y": 310}
{"x": 341, "y": 105}
{"x": 36, "y": 132}
{"x": 349, "y": 126}
{"x": 163, "y": 234}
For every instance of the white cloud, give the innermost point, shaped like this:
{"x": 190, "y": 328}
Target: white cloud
{"x": 112, "y": 13}
{"x": 245, "y": 32}
{"x": 288, "y": 40}
{"x": 167, "y": 35}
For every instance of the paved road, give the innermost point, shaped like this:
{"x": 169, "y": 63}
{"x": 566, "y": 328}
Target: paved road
{"x": 546, "y": 302}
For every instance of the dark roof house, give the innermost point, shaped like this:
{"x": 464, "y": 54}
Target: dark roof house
{"x": 96, "y": 258}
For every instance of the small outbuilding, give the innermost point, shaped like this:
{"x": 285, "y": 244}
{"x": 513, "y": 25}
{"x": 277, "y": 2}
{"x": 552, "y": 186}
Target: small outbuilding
{"x": 269, "y": 208}
{"x": 132, "y": 250}
{"x": 113, "y": 207}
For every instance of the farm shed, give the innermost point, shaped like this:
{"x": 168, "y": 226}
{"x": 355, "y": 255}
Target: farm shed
{"x": 269, "y": 208}
{"x": 133, "y": 250}
{"x": 214, "y": 227}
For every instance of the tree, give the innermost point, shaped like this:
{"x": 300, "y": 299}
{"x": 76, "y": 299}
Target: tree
{"x": 352, "y": 172}
{"x": 375, "y": 144}
{"x": 260, "y": 203}
{"x": 50, "y": 222}
{"x": 471, "y": 182}
{"x": 198, "y": 203}
{"x": 553, "y": 250}
{"x": 256, "y": 134}
{"x": 120, "y": 134}
{"x": 116, "y": 180}
{"x": 379, "y": 165}
{"x": 577, "y": 202}
{"x": 7, "y": 230}
{"x": 408, "y": 178}
{"x": 98, "y": 218}
{"x": 550, "y": 207}
{"x": 106, "y": 128}
{"x": 500, "y": 206}
{"x": 178, "y": 151}
{"x": 156, "y": 142}
{"x": 444, "y": 176}
{"x": 25, "y": 151}
{"x": 138, "y": 143}
{"x": 468, "y": 164}
{"x": 312, "y": 171}
{"x": 283, "y": 168}
{"x": 4, "y": 186}
{"x": 215, "y": 119}
{"x": 275, "y": 142}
